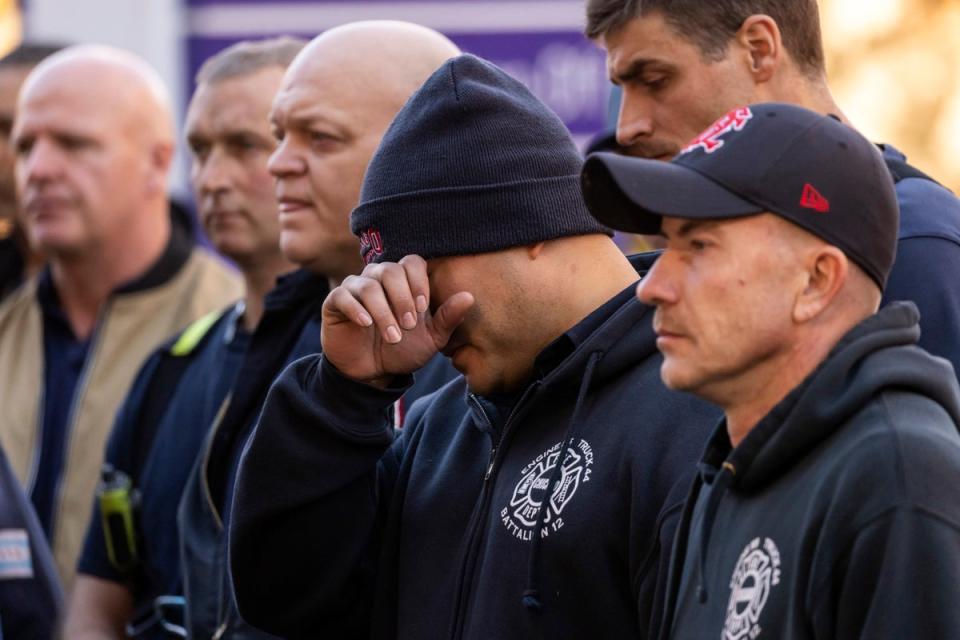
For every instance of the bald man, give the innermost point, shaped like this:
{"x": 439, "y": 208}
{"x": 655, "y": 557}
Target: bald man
{"x": 334, "y": 103}
{"x": 123, "y": 273}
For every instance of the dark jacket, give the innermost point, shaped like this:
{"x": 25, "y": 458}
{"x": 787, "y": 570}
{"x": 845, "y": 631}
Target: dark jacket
{"x": 838, "y": 516}
{"x": 450, "y": 516}
{"x": 928, "y": 256}
{"x": 289, "y": 329}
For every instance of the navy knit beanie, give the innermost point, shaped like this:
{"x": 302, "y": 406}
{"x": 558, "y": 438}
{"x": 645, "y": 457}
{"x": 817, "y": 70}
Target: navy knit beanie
{"x": 472, "y": 163}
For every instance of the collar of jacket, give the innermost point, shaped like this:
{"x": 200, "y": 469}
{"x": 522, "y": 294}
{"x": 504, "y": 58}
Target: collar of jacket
{"x": 295, "y": 287}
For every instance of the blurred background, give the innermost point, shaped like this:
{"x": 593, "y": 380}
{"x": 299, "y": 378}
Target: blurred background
{"x": 894, "y": 64}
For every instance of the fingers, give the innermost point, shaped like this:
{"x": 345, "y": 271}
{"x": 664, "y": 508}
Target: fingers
{"x": 341, "y": 304}
{"x": 372, "y": 296}
{"x": 416, "y": 270}
{"x": 387, "y": 295}
{"x": 393, "y": 279}
{"x": 449, "y": 316}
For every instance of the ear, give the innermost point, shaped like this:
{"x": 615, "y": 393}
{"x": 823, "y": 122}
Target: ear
{"x": 759, "y": 36}
{"x": 827, "y": 271}
{"x": 158, "y": 167}
{"x": 534, "y": 250}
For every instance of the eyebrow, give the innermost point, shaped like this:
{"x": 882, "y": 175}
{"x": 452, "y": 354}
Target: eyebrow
{"x": 689, "y": 227}
{"x": 633, "y": 70}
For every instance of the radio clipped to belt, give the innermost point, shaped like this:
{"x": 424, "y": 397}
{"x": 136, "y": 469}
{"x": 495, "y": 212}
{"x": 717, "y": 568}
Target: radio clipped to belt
{"x": 119, "y": 505}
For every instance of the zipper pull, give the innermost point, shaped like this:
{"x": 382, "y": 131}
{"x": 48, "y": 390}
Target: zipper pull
{"x": 493, "y": 456}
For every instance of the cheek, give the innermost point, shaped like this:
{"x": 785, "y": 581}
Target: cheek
{"x": 258, "y": 191}
{"x": 756, "y": 318}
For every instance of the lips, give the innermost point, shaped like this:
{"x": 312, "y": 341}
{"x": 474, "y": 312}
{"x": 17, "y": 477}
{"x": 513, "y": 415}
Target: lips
{"x": 41, "y": 205}
{"x": 455, "y": 343}
{"x": 666, "y": 332}
{"x": 452, "y": 347}
{"x": 222, "y": 214}
{"x": 286, "y": 204}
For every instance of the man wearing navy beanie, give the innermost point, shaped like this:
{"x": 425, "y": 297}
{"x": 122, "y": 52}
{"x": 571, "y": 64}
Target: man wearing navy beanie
{"x": 534, "y": 496}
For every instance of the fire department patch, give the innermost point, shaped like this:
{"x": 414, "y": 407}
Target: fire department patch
{"x": 522, "y": 515}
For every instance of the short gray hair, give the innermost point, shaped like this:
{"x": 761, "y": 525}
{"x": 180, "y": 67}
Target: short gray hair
{"x": 249, "y": 56}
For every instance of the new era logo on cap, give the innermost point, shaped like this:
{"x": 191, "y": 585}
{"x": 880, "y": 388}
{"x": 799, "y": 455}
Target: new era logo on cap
{"x": 812, "y": 199}
{"x": 710, "y": 140}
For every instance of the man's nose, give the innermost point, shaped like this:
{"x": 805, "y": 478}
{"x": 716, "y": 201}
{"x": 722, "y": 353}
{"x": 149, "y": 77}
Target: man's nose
{"x": 43, "y": 161}
{"x": 285, "y": 160}
{"x": 657, "y": 286}
{"x": 635, "y": 120}
{"x": 212, "y": 174}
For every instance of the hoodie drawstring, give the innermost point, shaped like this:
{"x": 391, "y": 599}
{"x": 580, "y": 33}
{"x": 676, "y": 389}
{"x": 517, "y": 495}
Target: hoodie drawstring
{"x": 722, "y": 480}
{"x": 531, "y": 595}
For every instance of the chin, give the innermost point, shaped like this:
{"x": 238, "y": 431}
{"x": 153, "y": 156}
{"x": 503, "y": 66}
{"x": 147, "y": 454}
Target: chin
{"x": 54, "y": 243}
{"x": 479, "y": 387}
{"x": 231, "y": 245}
{"x": 675, "y": 378}
{"x": 297, "y": 249}
{"x": 477, "y": 383}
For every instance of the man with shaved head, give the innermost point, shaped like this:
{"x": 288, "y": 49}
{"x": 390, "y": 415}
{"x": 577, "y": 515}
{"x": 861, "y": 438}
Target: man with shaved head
{"x": 334, "y": 103}
{"x": 92, "y": 140}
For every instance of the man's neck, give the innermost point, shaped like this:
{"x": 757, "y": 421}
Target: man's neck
{"x": 32, "y": 261}
{"x": 752, "y": 395}
{"x": 584, "y": 273}
{"x": 258, "y": 280}
{"x": 796, "y": 88}
{"x": 85, "y": 281}
{"x": 597, "y": 273}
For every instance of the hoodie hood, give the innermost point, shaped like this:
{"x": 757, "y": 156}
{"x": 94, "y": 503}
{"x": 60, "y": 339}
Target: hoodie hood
{"x": 878, "y": 354}
{"x": 840, "y": 387}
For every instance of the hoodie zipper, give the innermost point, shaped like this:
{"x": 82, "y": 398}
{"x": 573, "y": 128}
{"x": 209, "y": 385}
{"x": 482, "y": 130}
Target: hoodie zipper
{"x": 208, "y": 447}
{"x": 480, "y": 516}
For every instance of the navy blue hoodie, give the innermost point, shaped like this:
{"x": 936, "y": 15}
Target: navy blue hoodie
{"x": 838, "y": 516}
{"x": 450, "y": 517}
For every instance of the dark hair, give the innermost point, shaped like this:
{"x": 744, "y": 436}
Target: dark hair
{"x": 249, "y": 56}
{"x": 29, "y": 54}
{"x": 710, "y": 24}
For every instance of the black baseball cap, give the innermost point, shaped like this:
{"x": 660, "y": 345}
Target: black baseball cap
{"x": 810, "y": 169}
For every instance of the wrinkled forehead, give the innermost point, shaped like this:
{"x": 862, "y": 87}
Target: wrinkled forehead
{"x": 247, "y": 99}
{"x": 346, "y": 106}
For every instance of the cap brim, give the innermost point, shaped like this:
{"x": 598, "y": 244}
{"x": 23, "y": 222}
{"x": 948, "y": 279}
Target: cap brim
{"x": 633, "y": 194}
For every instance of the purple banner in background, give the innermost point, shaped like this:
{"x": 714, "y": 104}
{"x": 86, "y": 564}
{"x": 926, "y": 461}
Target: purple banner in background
{"x": 537, "y": 41}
